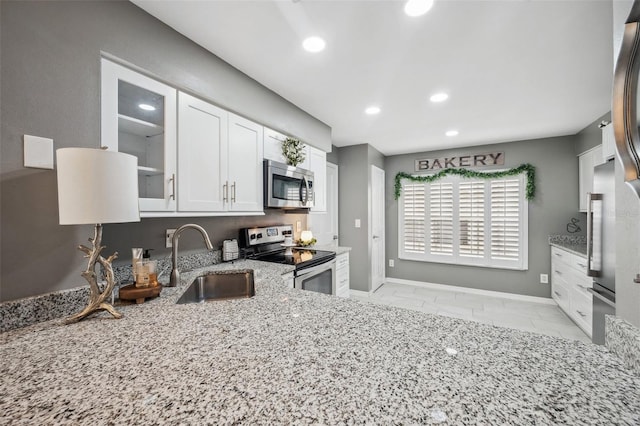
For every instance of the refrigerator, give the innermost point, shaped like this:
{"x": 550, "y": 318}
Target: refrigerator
{"x": 601, "y": 247}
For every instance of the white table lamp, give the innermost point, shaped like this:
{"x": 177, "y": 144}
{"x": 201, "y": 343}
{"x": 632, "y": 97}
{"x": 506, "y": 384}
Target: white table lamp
{"x": 95, "y": 187}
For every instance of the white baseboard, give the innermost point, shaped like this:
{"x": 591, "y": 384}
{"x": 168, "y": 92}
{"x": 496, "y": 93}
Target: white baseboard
{"x": 359, "y": 293}
{"x": 535, "y": 299}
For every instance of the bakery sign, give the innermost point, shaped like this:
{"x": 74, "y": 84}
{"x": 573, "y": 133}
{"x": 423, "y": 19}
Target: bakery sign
{"x": 455, "y": 162}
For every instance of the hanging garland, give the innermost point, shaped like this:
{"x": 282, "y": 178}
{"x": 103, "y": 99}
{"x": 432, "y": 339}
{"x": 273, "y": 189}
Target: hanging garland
{"x": 524, "y": 168}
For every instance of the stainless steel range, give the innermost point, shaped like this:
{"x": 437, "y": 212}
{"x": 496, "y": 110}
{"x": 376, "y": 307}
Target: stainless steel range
{"x": 315, "y": 269}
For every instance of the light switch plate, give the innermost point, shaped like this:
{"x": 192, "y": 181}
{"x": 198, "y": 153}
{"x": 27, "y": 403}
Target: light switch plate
{"x": 38, "y": 152}
{"x": 358, "y": 224}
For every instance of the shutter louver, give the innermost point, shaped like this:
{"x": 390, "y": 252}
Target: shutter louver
{"x": 414, "y": 217}
{"x": 505, "y": 219}
{"x": 441, "y": 214}
{"x": 471, "y": 214}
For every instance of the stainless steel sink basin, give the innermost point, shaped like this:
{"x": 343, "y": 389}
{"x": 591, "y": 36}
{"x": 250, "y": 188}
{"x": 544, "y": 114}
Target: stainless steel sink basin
{"x": 220, "y": 285}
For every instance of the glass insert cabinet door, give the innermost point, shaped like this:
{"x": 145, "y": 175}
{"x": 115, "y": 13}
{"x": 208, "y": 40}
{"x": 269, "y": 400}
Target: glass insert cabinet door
{"x": 139, "y": 118}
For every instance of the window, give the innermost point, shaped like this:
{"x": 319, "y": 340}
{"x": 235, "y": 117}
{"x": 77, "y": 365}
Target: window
{"x": 481, "y": 222}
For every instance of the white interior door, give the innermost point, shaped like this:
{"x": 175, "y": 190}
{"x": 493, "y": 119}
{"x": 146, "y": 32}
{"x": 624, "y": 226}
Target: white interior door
{"x": 376, "y": 210}
{"x": 325, "y": 225}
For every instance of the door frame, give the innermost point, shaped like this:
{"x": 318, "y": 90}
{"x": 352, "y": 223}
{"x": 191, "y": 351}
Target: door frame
{"x": 379, "y": 209}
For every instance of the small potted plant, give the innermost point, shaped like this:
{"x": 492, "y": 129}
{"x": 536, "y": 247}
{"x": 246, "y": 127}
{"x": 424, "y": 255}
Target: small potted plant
{"x": 293, "y": 151}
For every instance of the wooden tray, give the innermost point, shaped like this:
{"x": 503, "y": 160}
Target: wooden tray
{"x": 139, "y": 294}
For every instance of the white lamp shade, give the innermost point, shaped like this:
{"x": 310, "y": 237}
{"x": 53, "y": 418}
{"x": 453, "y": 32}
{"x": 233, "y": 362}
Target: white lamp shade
{"x": 97, "y": 186}
{"x": 306, "y": 236}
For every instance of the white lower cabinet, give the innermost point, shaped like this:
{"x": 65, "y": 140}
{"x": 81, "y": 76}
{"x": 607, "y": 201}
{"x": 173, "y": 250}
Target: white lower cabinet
{"x": 569, "y": 284}
{"x": 342, "y": 275}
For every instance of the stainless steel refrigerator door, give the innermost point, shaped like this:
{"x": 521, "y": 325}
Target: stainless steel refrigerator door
{"x": 601, "y": 227}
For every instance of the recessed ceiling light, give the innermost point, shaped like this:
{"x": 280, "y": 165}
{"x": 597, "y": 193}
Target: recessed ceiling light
{"x": 313, "y": 44}
{"x": 439, "y": 97}
{"x": 372, "y": 110}
{"x": 452, "y": 133}
{"x": 417, "y": 7}
{"x": 147, "y": 107}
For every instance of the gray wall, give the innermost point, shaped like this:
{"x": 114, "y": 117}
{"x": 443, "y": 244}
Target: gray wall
{"x": 50, "y": 86}
{"x": 354, "y": 193}
{"x": 555, "y": 202}
{"x": 590, "y": 136}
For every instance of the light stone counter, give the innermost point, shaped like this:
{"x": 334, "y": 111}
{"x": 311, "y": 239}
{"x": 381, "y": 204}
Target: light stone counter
{"x": 290, "y": 356}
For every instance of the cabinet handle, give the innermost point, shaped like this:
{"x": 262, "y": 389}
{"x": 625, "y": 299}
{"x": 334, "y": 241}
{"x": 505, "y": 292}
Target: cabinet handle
{"x": 557, "y": 272}
{"x": 233, "y": 192}
{"x": 557, "y": 294}
{"x": 558, "y": 254}
{"x": 581, "y": 314}
{"x": 225, "y": 189}
{"x": 584, "y": 287}
{"x": 582, "y": 265}
{"x": 173, "y": 186}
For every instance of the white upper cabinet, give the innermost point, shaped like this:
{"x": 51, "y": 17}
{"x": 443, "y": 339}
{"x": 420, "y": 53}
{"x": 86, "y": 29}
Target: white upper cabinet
{"x": 245, "y": 165}
{"x": 220, "y": 159}
{"x": 586, "y": 162}
{"x": 318, "y": 165}
{"x": 608, "y": 142}
{"x": 202, "y": 154}
{"x": 272, "y": 144}
{"x": 139, "y": 118}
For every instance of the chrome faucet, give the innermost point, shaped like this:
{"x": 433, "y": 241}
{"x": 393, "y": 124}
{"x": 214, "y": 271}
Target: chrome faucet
{"x": 175, "y": 273}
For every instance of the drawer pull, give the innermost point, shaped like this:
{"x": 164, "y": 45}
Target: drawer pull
{"x": 558, "y": 254}
{"x": 557, "y": 272}
{"x": 581, "y": 314}
{"x": 582, "y": 265}
{"x": 584, "y": 287}
{"x": 557, "y": 294}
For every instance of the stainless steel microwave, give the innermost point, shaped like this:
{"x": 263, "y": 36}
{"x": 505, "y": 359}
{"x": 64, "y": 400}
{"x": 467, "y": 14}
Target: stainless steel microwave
{"x": 287, "y": 187}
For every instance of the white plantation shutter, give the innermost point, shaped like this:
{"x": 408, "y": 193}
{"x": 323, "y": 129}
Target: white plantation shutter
{"x": 413, "y": 231}
{"x": 471, "y": 218}
{"x": 505, "y": 219}
{"x": 441, "y": 218}
{"x": 481, "y": 222}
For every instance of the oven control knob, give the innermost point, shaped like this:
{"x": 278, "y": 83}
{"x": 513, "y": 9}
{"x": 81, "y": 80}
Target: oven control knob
{"x": 259, "y": 235}
{"x": 252, "y": 236}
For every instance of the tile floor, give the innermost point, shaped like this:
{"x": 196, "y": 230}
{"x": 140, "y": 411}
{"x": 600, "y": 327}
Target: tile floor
{"x": 502, "y": 312}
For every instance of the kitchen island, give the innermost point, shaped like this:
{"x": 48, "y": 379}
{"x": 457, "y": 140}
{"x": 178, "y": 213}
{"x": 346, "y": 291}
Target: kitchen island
{"x": 291, "y": 356}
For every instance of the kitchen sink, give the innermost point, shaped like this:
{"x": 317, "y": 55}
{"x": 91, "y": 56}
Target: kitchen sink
{"x": 220, "y": 285}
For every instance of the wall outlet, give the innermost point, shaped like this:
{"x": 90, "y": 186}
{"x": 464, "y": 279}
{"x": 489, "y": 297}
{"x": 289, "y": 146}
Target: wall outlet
{"x": 392, "y": 263}
{"x": 169, "y": 236}
{"x": 358, "y": 224}
{"x": 544, "y": 279}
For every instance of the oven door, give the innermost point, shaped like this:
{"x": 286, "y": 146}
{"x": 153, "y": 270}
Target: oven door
{"x": 320, "y": 278}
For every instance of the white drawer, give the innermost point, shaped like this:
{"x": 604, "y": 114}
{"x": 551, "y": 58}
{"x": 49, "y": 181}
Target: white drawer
{"x": 569, "y": 259}
{"x": 581, "y": 310}
{"x": 342, "y": 260}
{"x": 560, "y": 293}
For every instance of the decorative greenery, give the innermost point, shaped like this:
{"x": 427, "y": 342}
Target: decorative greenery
{"x": 524, "y": 168}
{"x": 307, "y": 243}
{"x": 292, "y": 149}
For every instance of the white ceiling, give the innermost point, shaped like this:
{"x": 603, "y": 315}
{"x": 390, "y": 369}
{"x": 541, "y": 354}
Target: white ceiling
{"x": 514, "y": 70}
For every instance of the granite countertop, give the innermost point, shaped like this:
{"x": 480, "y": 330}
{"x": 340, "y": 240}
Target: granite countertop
{"x": 291, "y": 356}
{"x": 332, "y": 247}
{"x": 574, "y": 244}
